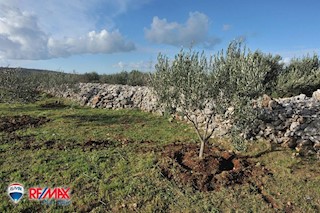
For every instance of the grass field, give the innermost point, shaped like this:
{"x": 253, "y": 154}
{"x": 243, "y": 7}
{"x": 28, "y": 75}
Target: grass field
{"x": 110, "y": 159}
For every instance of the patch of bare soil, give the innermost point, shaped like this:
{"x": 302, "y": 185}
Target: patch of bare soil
{"x": 219, "y": 168}
{"x": 28, "y": 142}
{"x": 13, "y": 123}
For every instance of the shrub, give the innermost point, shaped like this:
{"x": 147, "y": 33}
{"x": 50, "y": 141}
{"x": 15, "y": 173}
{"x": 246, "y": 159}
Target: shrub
{"x": 17, "y": 85}
{"x": 133, "y": 78}
{"x": 302, "y": 75}
{"x": 137, "y": 78}
{"x": 247, "y": 73}
{"x": 91, "y": 77}
{"x": 118, "y": 78}
{"x": 24, "y": 85}
{"x": 57, "y": 83}
{"x": 244, "y": 75}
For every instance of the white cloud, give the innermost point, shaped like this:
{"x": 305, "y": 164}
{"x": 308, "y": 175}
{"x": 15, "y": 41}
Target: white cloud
{"x": 139, "y": 65}
{"x": 288, "y": 55}
{"x": 120, "y": 65}
{"x": 59, "y": 18}
{"x": 103, "y": 42}
{"x": 286, "y": 60}
{"x": 118, "y": 7}
{"x": 193, "y": 32}
{"x": 226, "y": 27}
{"x": 75, "y": 17}
{"x": 21, "y": 37}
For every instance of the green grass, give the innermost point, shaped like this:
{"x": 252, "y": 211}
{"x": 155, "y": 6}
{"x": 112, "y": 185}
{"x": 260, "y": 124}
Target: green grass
{"x": 122, "y": 175}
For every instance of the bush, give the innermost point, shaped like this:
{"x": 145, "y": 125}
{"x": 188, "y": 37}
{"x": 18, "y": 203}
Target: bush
{"x": 302, "y": 75}
{"x": 242, "y": 76}
{"x": 137, "y": 78}
{"x": 57, "y": 83}
{"x": 133, "y": 78}
{"x": 24, "y": 85}
{"x": 119, "y": 78}
{"x": 246, "y": 73}
{"x": 17, "y": 86}
{"x": 91, "y": 77}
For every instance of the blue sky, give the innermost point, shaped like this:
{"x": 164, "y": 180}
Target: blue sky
{"x": 108, "y": 36}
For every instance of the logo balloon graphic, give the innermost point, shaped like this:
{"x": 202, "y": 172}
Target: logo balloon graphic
{"x": 15, "y": 192}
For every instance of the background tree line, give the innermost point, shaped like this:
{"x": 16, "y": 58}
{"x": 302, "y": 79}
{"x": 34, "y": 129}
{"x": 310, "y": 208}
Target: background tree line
{"x": 133, "y": 78}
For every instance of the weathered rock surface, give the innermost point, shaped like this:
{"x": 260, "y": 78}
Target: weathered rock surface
{"x": 294, "y": 122}
{"x": 316, "y": 95}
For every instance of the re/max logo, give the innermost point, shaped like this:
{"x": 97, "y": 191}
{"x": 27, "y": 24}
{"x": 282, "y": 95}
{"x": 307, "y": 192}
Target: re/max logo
{"x": 49, "y": 193}
{"x": 13, "y": 188}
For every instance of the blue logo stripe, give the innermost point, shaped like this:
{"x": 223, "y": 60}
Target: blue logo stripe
{"x": 44, "y": 190}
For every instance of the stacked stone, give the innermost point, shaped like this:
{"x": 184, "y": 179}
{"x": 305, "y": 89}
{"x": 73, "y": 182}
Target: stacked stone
{"x": 293, "y": 122}
{"x": 115, "y": 96}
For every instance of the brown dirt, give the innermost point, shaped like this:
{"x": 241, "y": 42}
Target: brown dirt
{"x": 13, "y": 123}
{"x": 219, "y": 168}
{"x": 28, "y": 142}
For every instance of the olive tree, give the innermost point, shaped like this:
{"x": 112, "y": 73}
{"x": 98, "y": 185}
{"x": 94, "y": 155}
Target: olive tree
{"x": 193, "y": 82}
{"x": 302, "y": 75}
{"x": 17, "y": 85}
{"x": 58, "y": 83}
{"x": 22, "y": 85}
{"x": 185, "y": 85}
{"x": 244, "y": 75}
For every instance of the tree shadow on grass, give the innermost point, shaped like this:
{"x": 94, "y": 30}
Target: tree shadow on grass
{"x": 265, "y": 152}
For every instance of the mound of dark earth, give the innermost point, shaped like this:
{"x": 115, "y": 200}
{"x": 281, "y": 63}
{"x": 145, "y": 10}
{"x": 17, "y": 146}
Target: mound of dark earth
{"x": 13, "y": 123}
{"x": 217, "y": 169}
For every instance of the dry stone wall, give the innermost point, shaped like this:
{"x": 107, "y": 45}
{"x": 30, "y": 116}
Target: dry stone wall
{"x": 293, "y": 122}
